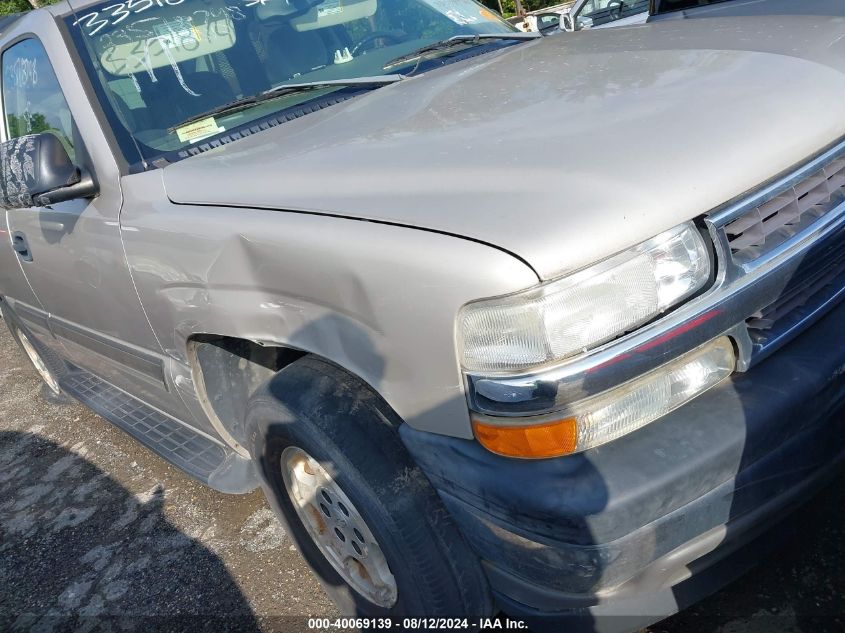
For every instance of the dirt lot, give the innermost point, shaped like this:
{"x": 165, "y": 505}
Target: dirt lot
{"x": 98, "y": 533}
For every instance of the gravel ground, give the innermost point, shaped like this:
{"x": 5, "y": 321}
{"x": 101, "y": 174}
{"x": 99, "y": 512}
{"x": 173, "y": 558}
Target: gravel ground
{"x": 96, "y": 532}
{"x": 93, "y": 524}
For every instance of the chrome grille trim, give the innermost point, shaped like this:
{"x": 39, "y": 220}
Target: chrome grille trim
{"x": 770, "y": 224}
{"x": 823, "y": 272}
{"x": 764, "y": 220}
{"x": 761, "y": 230}
{"x": 816, "y": 287}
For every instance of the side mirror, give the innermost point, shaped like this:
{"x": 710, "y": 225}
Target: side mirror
{"x": 583, "y": 23}
{"x": 547, "y": 22}
{"x": 567, "y": 23}
{"x": 35, "y": 170}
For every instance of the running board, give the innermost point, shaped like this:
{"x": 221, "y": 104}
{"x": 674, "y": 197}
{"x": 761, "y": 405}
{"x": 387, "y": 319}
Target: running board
{"x": 200, "y": 457}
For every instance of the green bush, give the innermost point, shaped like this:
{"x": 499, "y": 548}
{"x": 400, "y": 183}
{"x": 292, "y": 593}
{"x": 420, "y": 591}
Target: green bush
{"x": 509, "y": 6}
{"x": 13, "y": 6}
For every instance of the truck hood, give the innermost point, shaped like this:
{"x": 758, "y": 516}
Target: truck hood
{"x": 561, "y": 151}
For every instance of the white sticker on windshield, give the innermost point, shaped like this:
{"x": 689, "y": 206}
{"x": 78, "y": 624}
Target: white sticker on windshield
{"x": 461, "y": 12}
{"x": 177, "y": 34}
{"x": 329, "y": 7}
{"x": 198, "y": 130}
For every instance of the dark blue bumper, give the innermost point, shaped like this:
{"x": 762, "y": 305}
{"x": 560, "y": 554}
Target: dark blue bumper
{"x": 630, "y": 532}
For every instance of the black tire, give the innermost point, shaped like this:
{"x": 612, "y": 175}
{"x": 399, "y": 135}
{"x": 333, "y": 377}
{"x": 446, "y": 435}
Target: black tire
{"x": 346, "y": 427}
{"x": 54, "y": 365}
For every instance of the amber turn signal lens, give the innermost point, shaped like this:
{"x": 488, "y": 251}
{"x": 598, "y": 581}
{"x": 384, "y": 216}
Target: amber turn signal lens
{"x": 550, "y": 439}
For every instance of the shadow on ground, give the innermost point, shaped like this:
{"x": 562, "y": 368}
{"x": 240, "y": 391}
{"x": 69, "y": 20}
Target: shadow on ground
{"x": 77, "y": 548}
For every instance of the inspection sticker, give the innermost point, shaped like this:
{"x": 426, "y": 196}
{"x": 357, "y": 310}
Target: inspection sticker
{"x": 461, "y": 12}
{"x": 178, "y": 34}
{"x": 198, "y": 130}
{"x": 330, "y": 7}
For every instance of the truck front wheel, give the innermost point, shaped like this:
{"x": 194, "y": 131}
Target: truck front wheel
{"x": 362, "y": 514}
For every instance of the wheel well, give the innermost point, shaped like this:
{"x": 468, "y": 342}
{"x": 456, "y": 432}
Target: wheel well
{"x": 227, "y": 371}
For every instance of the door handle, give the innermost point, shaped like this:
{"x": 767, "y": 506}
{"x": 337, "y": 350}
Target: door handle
{"x": 21, "y": 246}
{"x": 52, "y": 226}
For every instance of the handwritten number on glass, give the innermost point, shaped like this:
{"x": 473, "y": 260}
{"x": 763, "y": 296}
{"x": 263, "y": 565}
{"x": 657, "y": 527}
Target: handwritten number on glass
{"x": 116, "y": 13}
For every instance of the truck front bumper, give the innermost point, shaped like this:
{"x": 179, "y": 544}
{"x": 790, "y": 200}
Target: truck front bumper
{"x": 627, "y": 533}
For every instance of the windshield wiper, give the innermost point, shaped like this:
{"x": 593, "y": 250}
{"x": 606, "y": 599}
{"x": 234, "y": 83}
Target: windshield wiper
{"x": 286, "y": 90}
{"x": 457, "y": 40}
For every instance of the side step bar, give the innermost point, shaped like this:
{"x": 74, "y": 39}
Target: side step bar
{"x": 204, "y": 459}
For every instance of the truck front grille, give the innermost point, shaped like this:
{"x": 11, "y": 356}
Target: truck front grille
{"x": 817, "y": 284}
{"x": 772, "y": 223}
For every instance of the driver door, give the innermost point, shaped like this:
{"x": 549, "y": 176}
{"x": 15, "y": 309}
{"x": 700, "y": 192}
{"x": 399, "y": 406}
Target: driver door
{"x": 73, "y": 257}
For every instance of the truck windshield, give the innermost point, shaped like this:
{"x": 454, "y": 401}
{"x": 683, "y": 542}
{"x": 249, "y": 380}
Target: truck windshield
{"x": 157, "y": 63}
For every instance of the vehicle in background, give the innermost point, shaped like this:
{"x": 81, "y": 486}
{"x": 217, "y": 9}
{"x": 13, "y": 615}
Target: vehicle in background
{"x": 597, "y": 14}
{"x": 545, "y": 21}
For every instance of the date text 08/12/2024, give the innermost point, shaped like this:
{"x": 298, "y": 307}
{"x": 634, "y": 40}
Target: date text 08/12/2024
{"x": 479, "y": 624}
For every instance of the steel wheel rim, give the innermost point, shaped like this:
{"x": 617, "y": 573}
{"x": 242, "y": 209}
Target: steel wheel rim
{"x": 337, "y": 528}
{"x": 40, "y": 367}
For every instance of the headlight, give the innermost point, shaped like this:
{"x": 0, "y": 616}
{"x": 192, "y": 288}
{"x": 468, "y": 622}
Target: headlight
{"x": 571, "y": 315}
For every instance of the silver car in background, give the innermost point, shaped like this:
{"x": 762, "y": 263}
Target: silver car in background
{"x": 545, "y": 20}
{"x": 598, "y": 14}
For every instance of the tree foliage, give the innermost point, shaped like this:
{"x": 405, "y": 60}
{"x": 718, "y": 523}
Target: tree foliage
{"x": 27, "y": 124}
{"x": 509, "y": 6}
{"x": 14, "y": 6}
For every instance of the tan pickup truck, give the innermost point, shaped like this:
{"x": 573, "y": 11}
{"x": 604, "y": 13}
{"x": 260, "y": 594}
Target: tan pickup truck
{"x": 301, "y": 244}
